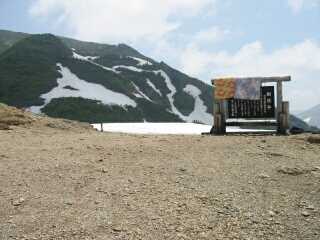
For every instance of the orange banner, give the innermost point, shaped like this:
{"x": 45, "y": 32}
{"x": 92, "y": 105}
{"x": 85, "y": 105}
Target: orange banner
{"x": 225, "y": 88}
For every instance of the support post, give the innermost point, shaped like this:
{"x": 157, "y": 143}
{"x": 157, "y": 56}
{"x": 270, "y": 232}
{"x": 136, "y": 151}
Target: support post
{"x": 219, "y": 118}
{"x": 284, "y": 118}
{"x": 279, "y": 107}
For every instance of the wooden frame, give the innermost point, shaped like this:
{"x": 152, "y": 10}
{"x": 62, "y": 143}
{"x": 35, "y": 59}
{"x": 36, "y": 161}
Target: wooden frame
{"x": 282, "y": 118}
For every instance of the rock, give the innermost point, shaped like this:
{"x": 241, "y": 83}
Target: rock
{"x": 294, "y": 171}
{"x": 314, "y": 139}
{"x": 276, "y": 154}
{"x": 116, "y": 229}
{"x": 18, "y": 202}
{"x": 310, "y": 207}
{"x": 4, "y": 126}
{"x": 182, "y": 169}
{"x": 272, "y": 213}
{"x": 263, "y": 176}
{"x": 305, "y": 214}
{"x": 68, "y": 202}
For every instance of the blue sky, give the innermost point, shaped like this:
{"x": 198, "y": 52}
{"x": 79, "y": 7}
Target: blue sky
{"x": 204, "y": 38}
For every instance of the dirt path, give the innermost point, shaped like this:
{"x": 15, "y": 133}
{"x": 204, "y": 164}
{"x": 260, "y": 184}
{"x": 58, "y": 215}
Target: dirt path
{"x": 82, "y": 184}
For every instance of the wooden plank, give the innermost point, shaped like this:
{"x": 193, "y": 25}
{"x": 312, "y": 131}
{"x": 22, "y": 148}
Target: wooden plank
{"x": 264, "y": 79}
{"x": 285, "y": 110}
{"x": 252, "y": 124}
{"x": 217, "y": 123}
{"x": 279, "y": 107}
{"x": 220, "y": 126}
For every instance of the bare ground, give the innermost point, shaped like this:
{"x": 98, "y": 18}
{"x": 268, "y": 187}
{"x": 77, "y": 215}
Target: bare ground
{"x": 60, "y": 180}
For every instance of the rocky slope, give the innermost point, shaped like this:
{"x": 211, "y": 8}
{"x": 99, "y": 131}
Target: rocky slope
{"x": 61, "y": 180}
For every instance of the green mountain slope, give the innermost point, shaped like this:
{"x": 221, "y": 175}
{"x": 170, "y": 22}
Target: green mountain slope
{"x": 8, "y": 38}
{"x": 33, "y": 75}
{"x": 28, "y": 69}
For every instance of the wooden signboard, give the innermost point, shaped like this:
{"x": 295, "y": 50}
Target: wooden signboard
{"x": 254, "y": 109}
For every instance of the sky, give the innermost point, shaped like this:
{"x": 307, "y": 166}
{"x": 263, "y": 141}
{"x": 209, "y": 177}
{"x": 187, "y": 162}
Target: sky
{"x": 203, "y": 38}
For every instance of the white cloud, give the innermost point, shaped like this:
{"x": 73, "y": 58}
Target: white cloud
{"x": 301, "y": 61}
{"x": 211, "y": 35}
{"x": 298, "y": 5}
{"x": 119, "y": 21}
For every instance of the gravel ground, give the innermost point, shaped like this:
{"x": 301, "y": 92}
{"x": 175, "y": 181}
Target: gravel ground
{"x": 74, "y": 183}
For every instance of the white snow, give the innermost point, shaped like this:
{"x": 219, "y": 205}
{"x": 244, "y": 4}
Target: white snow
{"x": 200, "y": 110}
{"x": 84, "y": 89}
{"x": 154, "y": 128}
{"x": 131, "y": 68}
{"x": 170, "y": 95}
{"x": 142, "y": 62}
{"x": 153, "y": 87}
{"x": 140, "y": 93}
{"x": 307, "y": 120}
{"x": 163, "y": 128}
{"x": 90, "y": 60}
{"x": 84, "y": 58}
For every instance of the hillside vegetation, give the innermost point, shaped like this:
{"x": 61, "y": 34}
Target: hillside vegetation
{"x": 30, "y": 75}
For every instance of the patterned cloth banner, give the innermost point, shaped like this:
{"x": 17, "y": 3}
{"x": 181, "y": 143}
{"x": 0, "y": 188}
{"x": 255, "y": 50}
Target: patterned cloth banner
{"x": 225, "y": 88}
{"x": 247, "y": 89}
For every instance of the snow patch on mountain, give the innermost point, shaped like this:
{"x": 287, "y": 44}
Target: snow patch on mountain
{"x": 83, "y": 89}
{"x": 153, "y": 87}
{"x": 170, "y": 95}
{"x": 165, "y": 128}
{"x": 141, "y": 62}
{"x": 140, "y": 94}
{"x": 90, "y": 60}
{"x": 200, "y": 110}
{"x": 131, "y": 68}
{"x": 84, "y": 58}
{"x": 311, "y": 116}
{"x": 307, "y": 120}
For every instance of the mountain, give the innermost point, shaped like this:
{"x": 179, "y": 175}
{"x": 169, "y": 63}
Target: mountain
{"x": 8, "y": 38}
{"x": 312, "y": 116}
{"x": 94, "y": 82}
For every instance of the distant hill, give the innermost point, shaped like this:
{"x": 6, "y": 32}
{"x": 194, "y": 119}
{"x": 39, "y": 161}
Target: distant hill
{"x": 312, "y": 116}
{"x": 95, "y": 82}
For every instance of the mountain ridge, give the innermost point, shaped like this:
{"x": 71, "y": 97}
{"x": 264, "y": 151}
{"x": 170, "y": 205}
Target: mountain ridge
{"x": 117, "y": 68}
{"x": 311, "y": 116}
{"x": 33, "y": 69}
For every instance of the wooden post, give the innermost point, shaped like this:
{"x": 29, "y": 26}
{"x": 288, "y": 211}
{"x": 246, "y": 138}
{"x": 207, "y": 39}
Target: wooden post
{"x": 223, "y": 116}
{"x": 219, "y": 118}
{"x": 285, "y": 118}
{"x": 279, "y": 107}
{"x": 216, "y": 117}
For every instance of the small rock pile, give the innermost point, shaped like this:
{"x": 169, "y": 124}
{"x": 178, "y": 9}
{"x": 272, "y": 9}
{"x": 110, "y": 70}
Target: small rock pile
{"x": 10, "y": 116}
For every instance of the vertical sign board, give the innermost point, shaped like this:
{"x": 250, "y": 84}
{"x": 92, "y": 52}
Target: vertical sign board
{"x": 263, "y": 108}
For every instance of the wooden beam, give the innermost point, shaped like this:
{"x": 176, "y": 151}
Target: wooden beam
{"x": 263, "y": 79}
{"x": 252, "y": 124}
